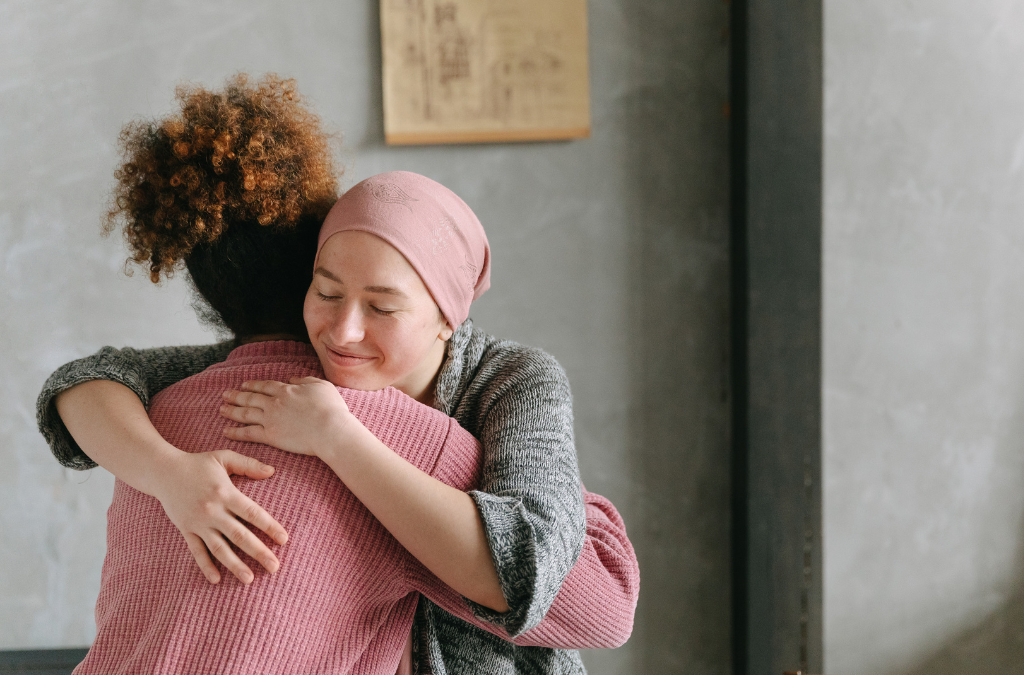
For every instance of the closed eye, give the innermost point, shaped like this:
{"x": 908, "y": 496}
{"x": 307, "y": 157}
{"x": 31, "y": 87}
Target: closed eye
{"x": 327, "y": 297}
{"x": 383, "y": 312}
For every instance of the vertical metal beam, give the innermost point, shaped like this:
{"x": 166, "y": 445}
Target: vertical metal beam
{"x": 776, "y": 322}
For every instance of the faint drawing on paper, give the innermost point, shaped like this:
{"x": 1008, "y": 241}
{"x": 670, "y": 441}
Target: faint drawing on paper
{"x": 462, "y": 71}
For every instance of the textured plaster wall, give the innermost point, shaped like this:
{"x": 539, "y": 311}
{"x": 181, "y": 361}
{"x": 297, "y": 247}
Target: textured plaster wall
{"x": 609, "y": 252}
{"x": 924, "y": 336}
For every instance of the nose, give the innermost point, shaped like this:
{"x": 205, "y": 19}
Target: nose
{"x": 348, "y": 326}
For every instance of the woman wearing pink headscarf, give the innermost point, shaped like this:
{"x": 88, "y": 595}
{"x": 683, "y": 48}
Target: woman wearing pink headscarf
{"x": 400, "y": 259}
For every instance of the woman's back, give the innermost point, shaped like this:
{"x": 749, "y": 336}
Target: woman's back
{"x": 344, "y": 592}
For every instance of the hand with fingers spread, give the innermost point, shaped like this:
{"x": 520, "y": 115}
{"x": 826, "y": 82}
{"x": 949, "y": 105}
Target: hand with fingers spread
{"x": 199, "y": 498}
{"x": 195, "y": 489}
{"x": 303, "y": 416}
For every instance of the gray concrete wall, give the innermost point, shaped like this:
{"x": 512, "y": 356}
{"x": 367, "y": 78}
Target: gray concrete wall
{"x": 610, "y": 253}
{"x": 923, "y": 348}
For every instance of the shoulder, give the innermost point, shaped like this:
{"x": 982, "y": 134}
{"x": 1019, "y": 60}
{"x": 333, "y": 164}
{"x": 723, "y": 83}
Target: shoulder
{"x": 508, "y": 363}
{"x": 193, "y": 357}
{"x": 504, "y": 374}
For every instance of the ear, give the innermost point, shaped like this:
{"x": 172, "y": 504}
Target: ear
{"x": 446, "y": 332}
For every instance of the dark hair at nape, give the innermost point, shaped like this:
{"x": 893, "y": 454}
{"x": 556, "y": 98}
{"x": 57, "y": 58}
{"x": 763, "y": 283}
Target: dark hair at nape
{"x": 252, "y": 280}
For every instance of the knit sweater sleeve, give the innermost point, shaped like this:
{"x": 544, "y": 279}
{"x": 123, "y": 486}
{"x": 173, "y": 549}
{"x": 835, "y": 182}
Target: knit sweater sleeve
{"x": 530, "y": 498}
{"x": 145, "y": 371}
{"x": 597, "y": 602}
{"x": 594, "y": 608}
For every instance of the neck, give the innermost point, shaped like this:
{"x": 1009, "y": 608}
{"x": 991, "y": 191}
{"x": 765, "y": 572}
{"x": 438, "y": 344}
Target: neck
{"x": 270, "y": 337}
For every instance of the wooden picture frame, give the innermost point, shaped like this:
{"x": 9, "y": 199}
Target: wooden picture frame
{"x": 484, "y": 71}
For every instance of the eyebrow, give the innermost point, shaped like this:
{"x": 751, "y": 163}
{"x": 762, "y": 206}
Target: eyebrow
{"x": 385, "y": 290}
{"x": 324, "y": 273}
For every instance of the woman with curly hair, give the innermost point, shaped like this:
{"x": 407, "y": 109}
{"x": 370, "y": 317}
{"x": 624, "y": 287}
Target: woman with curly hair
{"x": 234, "y": 189}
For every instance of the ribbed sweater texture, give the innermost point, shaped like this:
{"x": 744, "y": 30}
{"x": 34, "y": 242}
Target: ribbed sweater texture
{"x": 344, "y": 598}
{"x": 562, "y": 554}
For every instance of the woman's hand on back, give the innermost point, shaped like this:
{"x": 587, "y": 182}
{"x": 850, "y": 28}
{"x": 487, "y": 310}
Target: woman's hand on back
{"x": 198, "y": 496}
{"x": 301, "y": 417}
{"x": 111, "y": 426}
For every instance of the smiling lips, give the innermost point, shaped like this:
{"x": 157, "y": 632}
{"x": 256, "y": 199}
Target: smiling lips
{"x": 347, "y": 359}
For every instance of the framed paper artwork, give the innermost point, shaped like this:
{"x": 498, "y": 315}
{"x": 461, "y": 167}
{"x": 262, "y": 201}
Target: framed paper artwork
{"x": 479, "y": 71}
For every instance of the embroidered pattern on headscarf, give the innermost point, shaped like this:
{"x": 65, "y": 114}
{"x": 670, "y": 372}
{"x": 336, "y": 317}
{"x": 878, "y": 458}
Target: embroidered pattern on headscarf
{"x": 389, "y": 193}
{"x": 470, "y": 271}
{"x": 441, "y": 235}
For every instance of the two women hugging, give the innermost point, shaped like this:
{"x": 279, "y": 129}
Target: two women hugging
{"x": 391, "y": 489}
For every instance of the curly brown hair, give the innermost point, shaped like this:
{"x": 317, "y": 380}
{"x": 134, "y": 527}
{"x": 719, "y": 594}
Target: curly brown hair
{"x": 252, "y": 153}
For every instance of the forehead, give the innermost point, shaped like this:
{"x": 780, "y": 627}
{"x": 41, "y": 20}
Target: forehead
{"x": 365, "y": 260}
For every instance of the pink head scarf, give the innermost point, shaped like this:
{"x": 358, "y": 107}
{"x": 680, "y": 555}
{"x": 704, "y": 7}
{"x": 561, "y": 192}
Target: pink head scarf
{"x": 436, "y": 231}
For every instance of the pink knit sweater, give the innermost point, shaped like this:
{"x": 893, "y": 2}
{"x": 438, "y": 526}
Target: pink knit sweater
{"x": 344, "y": 598}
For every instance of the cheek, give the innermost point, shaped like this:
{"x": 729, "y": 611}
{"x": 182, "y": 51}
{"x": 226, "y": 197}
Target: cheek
{"x": 404, "y": 343}
{"x": 313, "y": 314}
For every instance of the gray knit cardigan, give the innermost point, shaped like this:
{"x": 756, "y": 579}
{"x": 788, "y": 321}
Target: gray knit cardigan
{"x": 516, "y": 401}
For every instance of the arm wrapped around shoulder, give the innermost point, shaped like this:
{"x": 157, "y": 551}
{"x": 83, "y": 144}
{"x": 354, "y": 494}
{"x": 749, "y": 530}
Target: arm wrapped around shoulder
{"x": 145, "y": 371}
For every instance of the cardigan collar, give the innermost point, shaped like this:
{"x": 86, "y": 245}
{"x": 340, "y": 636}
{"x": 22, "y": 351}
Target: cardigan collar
{"x": 449, "y": 379}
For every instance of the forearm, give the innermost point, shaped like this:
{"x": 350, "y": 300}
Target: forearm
{"x": 438, "y": 524}
{"x": 110, "y": 424}
{"x": 144, "y": 371}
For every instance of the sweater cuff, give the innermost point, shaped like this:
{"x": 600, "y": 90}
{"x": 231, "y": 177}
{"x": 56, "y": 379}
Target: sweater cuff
{"x": 512, "y": 541}
{"x": 108, "y": 364}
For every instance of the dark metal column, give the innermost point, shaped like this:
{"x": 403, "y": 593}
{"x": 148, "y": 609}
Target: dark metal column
{"x": 776, "y": 259}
